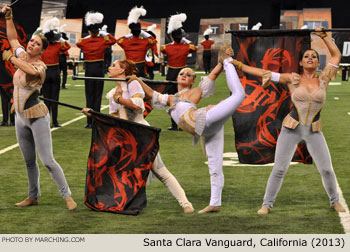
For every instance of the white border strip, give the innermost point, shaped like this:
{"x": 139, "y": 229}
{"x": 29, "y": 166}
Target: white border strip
{"x": 344, "y": 217}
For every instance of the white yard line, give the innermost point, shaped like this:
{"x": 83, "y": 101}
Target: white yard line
{"x": 53, "y": 129}
{"x": 344, "y": 217}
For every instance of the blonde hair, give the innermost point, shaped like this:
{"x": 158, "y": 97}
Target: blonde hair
{"x": 192, "y": 72}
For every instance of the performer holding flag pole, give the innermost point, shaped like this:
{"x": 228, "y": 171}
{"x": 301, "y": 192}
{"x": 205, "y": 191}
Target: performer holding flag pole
{"x": 308, "y": 94}
{"x": 126, "y": 102}
{"x": 32, "y": 117}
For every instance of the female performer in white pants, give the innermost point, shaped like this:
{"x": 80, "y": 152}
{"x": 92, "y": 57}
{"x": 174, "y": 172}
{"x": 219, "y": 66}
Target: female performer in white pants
{"x": 126, "y": 102}
{"x": 208, "y": 121}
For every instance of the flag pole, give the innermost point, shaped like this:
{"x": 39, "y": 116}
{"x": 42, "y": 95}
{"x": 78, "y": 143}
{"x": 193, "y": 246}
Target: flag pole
{"x": 95, "y": 112}
{"x": 147, "y": 81}
{"x": 263, "y": 31}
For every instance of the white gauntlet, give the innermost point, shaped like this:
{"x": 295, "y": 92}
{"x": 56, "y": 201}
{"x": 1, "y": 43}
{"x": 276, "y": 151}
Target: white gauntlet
{"x": 159, "y": 101}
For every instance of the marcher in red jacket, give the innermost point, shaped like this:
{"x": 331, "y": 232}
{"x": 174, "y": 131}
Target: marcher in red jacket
{"x": 177, "y": 52}
{"x": 51, "y": 86}
{"x": 136, "y": 44}
{"x": 93, "y": 47}
{"x": 207, "y": 43}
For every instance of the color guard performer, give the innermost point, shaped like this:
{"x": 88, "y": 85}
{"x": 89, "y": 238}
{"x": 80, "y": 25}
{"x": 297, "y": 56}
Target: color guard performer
{"x": 136, "y": 44}
{"x": 51, "y": 86}
{"x": 93, "y": 47}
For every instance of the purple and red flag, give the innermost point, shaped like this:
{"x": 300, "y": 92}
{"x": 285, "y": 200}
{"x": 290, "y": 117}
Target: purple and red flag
{"x": 121, "y": 156}
{"x": 258, "y": 120}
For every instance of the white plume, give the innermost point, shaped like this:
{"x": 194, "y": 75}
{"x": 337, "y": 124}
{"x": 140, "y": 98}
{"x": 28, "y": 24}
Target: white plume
{"x": 92, "y": 18}
{"x": 304, "y": 27}
{"x": 104, "y": 28}
{"x": 135, "y": 13}
{"x": 38, "y": 31}
{"x": 257, "y": 26}
{"x": 63, "y": 28}
{"x": 175, "y": 22}
{"x": 151, "y": 27}
{"x": 51, "y": 24}
{"x": 208, "y": 31}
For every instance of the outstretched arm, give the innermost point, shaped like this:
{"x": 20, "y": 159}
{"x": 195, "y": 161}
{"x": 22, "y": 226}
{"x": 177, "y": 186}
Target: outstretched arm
{"x": 284, "y": 78}
{"x": 10, "y": 27}
{"x": 332, "y": 47}
{"x": 148, "y": 91}
{"x": 215, "y": 72}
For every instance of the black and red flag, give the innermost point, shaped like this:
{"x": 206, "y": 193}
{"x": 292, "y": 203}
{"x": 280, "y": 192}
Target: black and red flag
{"x": 258, "y": 120}
{"x": 7, "y": 69}
{"x": 121, "y": 156}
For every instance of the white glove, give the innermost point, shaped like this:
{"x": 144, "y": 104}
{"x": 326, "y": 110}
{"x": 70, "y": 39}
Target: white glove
{"x": 186, "y": 41}
{"x": 145, "y": 34}
{"x": 128, "y": 36}
{"x": 103, "y": 33}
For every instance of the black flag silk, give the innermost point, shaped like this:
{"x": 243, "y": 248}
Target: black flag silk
{"x": 258, "y": 120}
{"x": 121, "y": 156}
{"x": 7, "y": 69}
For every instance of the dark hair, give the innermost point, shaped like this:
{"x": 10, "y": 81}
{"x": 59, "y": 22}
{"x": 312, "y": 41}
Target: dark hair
{"x": 94, "y": 29}
{"x": 129, "y": 67}
{"x": 301, "y": 55}
{"x": 302, "y": 52}
{"x": 206, "y": 37}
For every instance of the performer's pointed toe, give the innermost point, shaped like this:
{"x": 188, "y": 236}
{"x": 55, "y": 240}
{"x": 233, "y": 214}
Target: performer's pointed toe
{"x": 210, "y": 209}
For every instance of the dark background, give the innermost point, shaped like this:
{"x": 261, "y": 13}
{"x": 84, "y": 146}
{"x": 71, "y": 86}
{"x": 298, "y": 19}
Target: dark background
{"x": 27, "y": 12}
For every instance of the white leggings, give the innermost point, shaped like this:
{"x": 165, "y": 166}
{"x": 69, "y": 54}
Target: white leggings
{"x": 286, "y": 145}
{"x": 34, "y": 134}
{"x": 214, "y": 131}
{"x": 168, "y": 179}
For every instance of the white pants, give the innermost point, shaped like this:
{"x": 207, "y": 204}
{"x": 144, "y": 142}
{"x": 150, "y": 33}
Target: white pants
{"x": 214, "y": 131}
{"x": 168, "y": 179}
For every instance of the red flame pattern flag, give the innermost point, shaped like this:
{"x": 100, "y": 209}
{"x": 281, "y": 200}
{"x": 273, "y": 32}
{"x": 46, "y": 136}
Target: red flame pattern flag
{"x": 121, "y": 156}
{"x": 7, "y": 69}
{"x": 258, "y": 120}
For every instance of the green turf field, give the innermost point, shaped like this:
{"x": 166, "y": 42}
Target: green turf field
{"x": 301, "y": 207}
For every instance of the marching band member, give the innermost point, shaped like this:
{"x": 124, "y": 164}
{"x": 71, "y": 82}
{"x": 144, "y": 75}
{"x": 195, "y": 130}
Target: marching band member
{"x": 51, "y": 86}
{"x": 136, "y": 44}
{"x": 177, "y": 52}
{"x": 93, "y": 47}
{"x": 207, "y": 44}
